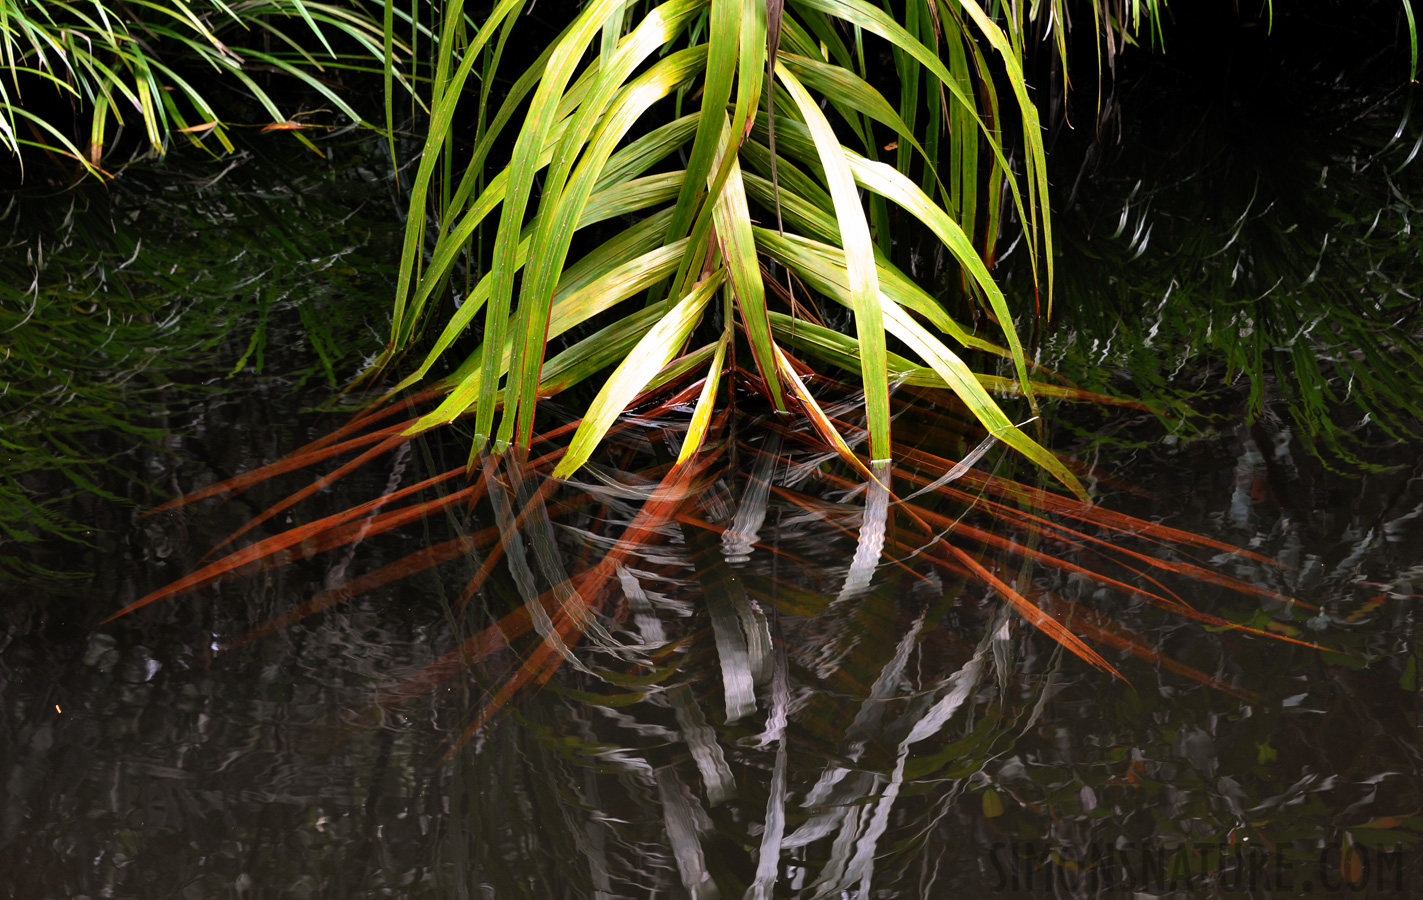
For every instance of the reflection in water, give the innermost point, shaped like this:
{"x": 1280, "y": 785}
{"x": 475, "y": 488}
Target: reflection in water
{"x": 727, "y": 729}
{"x": 706, "y": 687}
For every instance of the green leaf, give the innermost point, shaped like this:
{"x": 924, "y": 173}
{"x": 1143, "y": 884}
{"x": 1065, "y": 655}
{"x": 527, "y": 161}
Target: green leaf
{"x": 522, "y": 169}
{"x": 892, "y": 281}
{"x": 880, "y": 23}
{"x": 611, "y": 109}
{"x": 860, "y": 264}
{"x": 723, "y": 49}
{"x": 844, "y": 88}
{"x": 446, "y": 92}
{"x": 653, "y": 352}
{"x": 958, "y": 376}
{"x": 821, "y": 267}
{"x": 572, "y": 307}
{"x": 1032, "y": 135}
{"x": 890, "y": 184}
{"x": 701, "y": 415}
{"x": 738, "y": 249}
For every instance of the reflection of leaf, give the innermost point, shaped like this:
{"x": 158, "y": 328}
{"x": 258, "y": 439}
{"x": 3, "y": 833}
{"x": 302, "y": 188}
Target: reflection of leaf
{"x": 638, "y": 594}
{"x": 1351, "y": 862}
{"x": 701, "y": 740}
{"x": 686, "y": 822}
{"x": 992, "y": 804}
{"x": 1388, "y": 821}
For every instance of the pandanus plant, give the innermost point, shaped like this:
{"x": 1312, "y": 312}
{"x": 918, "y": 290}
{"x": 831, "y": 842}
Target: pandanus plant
{"x": 787, "y": 123}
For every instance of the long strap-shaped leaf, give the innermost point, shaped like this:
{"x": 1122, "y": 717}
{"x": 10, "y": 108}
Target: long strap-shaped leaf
{"x": 605, "y": 116}
{"x": 701, "y": 415}
{"x": 752, "y": 68}
{"x": 887, "y": 182}
{"x": 1032, "y": 132}
{"x": 892, "y": 281}
{"x": 876, "y": 21}
{"x": 537, "y": 121}
{"x": 653, "y": 352}
{"x": 844, "y": 89}
{"x": 575, "y": 307}
{"x": 841, "y": 350}
{"x": 859, "y": 264}
{"x": 448, "y": 91}
{"x": 820, "y": 269}
{"x": 818, "y": 418}
{"x": 738, "y": 250}
{"x": 890, "y": 184}
{"x": 642, "y": 238}
{"x": 723, "y": 48}
{"x": 953, "y": 370}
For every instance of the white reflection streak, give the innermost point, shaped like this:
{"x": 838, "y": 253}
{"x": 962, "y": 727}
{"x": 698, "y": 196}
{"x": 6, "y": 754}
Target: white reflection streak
{"x": 648, "y": 625}
{"x": 736, "y": 541}
{"x": 768, "y": 860}
{"x": 685, "y": 822}
{"x": 960, "y": 468}
{"x": 768, "y": 863}
{"x": 701, "y": 740}
{"x": 732, "y": 647}
{"x": 516, "y": 558}
{"x": 961, "y": 685}
{"x": 872, "y": 531}
{"x": 336, "y": 575}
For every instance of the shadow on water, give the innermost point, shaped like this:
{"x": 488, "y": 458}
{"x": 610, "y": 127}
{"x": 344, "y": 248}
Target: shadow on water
{"x": 712, "y": 670}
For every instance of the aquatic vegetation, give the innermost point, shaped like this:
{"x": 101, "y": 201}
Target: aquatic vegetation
{"x": 573, "y": 547}
{"x": 691, "y": 240}
{"x": 788, "y": 646}
{"x": 585, "y": 777}
{"x": 78, "y": 74}
{"x": 712, "y": 358}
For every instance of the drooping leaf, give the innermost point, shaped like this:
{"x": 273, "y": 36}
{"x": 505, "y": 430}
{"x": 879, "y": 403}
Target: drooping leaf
{"x": 859, "y": 265}
{"x": 654, "y": 351}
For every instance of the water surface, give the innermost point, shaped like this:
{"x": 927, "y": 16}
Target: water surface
{"x": 892, "y": 731}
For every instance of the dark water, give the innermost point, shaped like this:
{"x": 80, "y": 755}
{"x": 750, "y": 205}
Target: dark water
{"x": 138, "y": 764}
{"x": 900, "y": 735}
